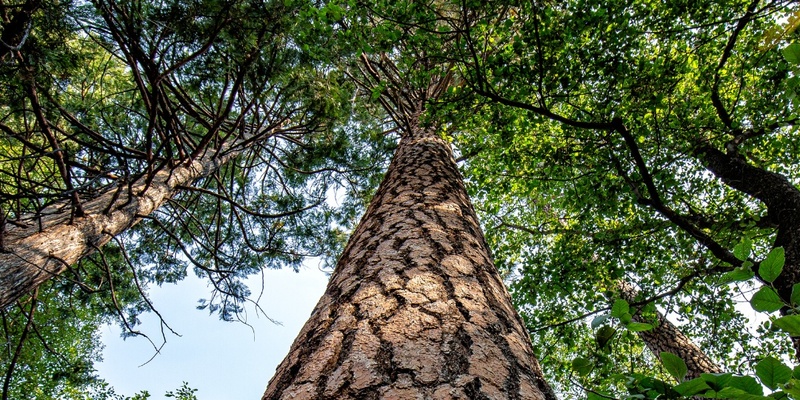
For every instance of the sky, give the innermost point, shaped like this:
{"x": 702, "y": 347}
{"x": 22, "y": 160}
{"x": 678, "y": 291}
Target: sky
{"x": 222, "y": 360}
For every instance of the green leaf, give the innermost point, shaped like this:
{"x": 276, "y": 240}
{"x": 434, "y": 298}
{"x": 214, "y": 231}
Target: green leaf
{"x": 793, "y": 388}
{"x": 795, "y": 297}
{"x": 717, "y": 381}
{"x": 792, "y": 53}
{"x": 604, "y": 335}
{"x": 771, "y": 267}
{"x": 789, "y": 324}
{"x": 740, "y": 274}
{"x": 598, "y": 320}
{"x": 582, "y": 366}
{"x": 742, "y": 250}
{"x": 674, "y": 365}
{"x": 737, "y": 394}
{"x": 747, "y": 383}
{"x": 595, "y": 396}
{"x": 779, "y": 395}
{"x": 692, "y": 387}
{"x": 620, "y": 308}
{"x": 772, "y": 372}
{"x": 638, "y": 326}
{"x": 766, "y": 300}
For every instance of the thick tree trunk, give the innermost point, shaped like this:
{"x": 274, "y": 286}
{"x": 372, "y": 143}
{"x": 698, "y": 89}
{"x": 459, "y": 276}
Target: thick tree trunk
{"x": 51, "y": 242}
{"x": 415, "y": 308}
{"x": 666, "y": 337}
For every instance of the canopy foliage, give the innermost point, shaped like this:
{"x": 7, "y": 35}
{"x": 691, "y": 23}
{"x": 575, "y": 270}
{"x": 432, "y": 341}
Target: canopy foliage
{"x": 603, "y": 143}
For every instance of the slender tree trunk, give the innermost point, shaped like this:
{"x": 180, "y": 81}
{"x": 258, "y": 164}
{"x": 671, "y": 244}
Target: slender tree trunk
{"x": 53, "y": 241}
{"x": 415, "y": 308}
{"x": 666, "y": 337}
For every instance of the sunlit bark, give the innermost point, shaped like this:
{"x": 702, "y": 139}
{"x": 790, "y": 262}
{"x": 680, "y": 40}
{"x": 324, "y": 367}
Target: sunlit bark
{"x": 415, "y": 308}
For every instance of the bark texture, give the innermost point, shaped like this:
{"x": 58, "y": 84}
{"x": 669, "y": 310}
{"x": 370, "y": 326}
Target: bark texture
{"x": 415, "y": 308}
{"x": 51, "y": 242}
{"x": 666, "y": 337}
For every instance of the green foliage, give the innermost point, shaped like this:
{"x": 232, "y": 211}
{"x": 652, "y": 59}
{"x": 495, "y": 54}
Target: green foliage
{"x": 766, "y": 300}
{"x": 772, "y": 372}
{"x": 183, "y": 393}
{"x": 674, "y": 365}
{"x": 771, "y": 267}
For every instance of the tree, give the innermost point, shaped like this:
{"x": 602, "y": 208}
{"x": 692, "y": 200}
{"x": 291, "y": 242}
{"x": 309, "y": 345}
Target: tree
{"x": 415, "y": 307}
{"x": 158, "y": 113}
{"x": 140, "y": 139}
{"x": 621, "y": 147}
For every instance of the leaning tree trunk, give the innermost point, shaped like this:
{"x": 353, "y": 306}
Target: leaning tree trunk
{"x": 666, "y": 337}
{"x": 415, "y": 308}
{"x": 47, "y": 244}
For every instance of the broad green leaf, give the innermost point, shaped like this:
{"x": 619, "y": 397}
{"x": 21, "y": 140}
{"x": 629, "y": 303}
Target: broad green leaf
{"x": 771, "y": 267}
{"x": 795, "y": 298}
{"x": 620, "y": 308}
{"x": 638, "y": 326}
{"x": 738, "y": 274}
{"x": 772, "y": 372}
{"x": 674, "y": 365}
{"x": 598, "y": 320}
{"x": 692, "y": 387}
{"x": 738, "y": 394}
{"x": 746, "y": 383}
{"x": 582, "y": 366}
{"x": 717, "y": 381}
{"x": 742, "y": 250}
{"x": 766, "y": 300}
{"x": 792, "y": 53}
{"x": 604, "y": 335}
{"x": 789, "y": 324}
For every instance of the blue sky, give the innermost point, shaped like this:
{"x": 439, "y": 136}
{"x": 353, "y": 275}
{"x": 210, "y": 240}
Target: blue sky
{"x": 222, "y": 360}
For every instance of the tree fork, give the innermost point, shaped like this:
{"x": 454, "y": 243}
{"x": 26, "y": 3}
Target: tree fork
{"x": 415, "y": 308}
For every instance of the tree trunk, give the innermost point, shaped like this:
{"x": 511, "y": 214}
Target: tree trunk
{"x": 666, "y": 337}
{"x": 415, "y": 308}
{"x": 53, "y": 241}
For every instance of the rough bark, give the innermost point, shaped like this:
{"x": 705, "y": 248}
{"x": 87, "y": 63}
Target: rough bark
{"x": 666, "y": 337}
{"x": 47, "y": 244}
{"x": 415, "y": 308}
